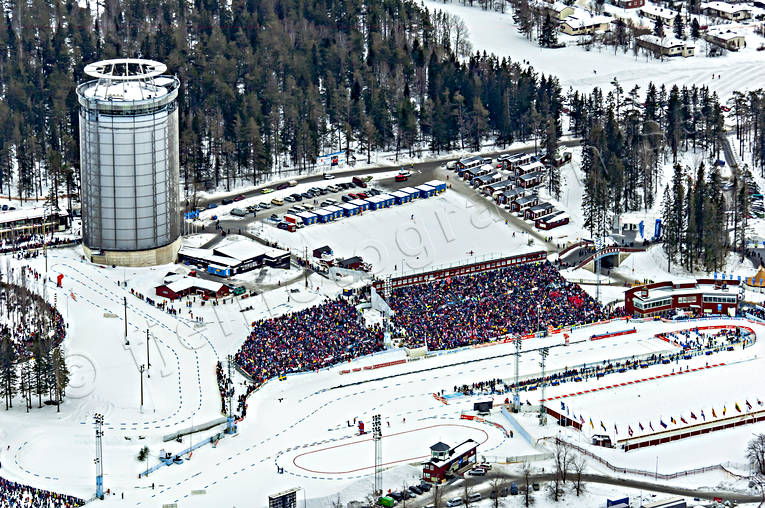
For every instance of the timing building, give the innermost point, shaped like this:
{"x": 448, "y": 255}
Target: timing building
{"x": 129, "y": 163}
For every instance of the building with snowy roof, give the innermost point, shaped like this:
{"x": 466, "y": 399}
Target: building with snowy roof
{"x": 729, "y": 39}
{"x": 725, "y": 10}
{"x": 666, "y": 46}
{"x": 583, "y": 23}
{"x": 31, "y": 221}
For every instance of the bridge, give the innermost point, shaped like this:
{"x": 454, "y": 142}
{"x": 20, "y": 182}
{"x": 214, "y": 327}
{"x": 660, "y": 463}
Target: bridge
{"x": 615, "y": 254}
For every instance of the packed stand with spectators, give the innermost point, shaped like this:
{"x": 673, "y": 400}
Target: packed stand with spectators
{"x": 305, "y": 340}
{"x": 31, "y": 314}
{"x": 471, "y": 309}
{"x": 756, "y": 311}
{"x": 17, "y": 495}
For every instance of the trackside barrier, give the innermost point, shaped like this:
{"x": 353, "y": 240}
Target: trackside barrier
{"x": 440, "y": 398}
{"x": 614, "y": 334}
{"x": 517, "y": 426}
{"x": 484, "y": 420}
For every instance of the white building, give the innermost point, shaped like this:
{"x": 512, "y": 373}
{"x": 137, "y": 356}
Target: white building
{"x": 666, "y": 46}
{"x": 725, "y": 10}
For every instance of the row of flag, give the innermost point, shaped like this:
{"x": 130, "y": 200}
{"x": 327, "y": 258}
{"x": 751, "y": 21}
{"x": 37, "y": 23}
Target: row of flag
{"x": 663, "y": 424}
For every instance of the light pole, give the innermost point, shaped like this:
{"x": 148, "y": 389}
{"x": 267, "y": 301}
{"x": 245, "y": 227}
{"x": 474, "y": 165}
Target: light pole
{"x": 99, "y": 420}
{"x": 124, "y": 300}
{"x": 148, "y": 363}
{"x": 141, "y": 369}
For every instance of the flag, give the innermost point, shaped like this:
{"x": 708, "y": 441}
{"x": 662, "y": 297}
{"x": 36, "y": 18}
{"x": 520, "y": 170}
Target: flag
{"x": 759, "y": 402}
{"x": 672, "y": 419}
{"x": 629, "y": 430}
{"x": 616, "y": 431}
{"x": 603, "y": 426}
{"x": 662, "y": 423}
{"x": 713, "y": 413}
{"x": 567, "y": 412}
{"x": 641, "y": 426}
{"x": 703, "y": 416}
{"x": 683, "y": 420}
{"x": 591, "y": 424}
{"x": 650, "y": 425}
{"x": 581, "y": 419}
{"x": 693, "y": 416}
{"x": 738, "y": 408}
{"x": 562, "y": 406}
{"x": 725, "y": 410}
{"x": 748, "y": 405}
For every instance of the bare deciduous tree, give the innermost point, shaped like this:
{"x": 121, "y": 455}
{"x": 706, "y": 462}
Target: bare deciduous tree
{"x": 755, "y": 453}
{"x": 577, "y": 468}
{"x": 528, "y": 498}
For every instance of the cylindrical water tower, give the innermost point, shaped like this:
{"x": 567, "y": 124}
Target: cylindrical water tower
{"x": 129, "y": 163}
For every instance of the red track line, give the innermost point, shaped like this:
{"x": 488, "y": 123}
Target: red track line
{"x": 486, "y": 436}
{"x": 632, "y": 382}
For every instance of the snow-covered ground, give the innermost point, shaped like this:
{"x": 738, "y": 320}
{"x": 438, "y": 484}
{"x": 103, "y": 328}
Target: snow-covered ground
{"x": 301, "y": 423}
{"x": 583, "y": 70}
{"x": 445, "y": 229}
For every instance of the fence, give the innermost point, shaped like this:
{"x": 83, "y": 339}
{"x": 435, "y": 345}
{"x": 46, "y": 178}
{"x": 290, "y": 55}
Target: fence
{"x": 641, "y": 472}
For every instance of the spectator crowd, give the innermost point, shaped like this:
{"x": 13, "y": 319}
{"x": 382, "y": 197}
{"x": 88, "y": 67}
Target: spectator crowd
{"x": 17, "y": 495}
{"x": 309, "y": 339}
{"x": 465, "y": 310}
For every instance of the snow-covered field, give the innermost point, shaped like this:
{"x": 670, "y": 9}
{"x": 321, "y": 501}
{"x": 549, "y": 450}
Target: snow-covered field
{"x": 583, "y": 70}
{"x": 449, "y": 228}
{"x": 301, "y": 423}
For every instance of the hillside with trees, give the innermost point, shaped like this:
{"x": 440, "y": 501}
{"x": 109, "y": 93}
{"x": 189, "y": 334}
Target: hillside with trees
{"x": 265, "y": 85}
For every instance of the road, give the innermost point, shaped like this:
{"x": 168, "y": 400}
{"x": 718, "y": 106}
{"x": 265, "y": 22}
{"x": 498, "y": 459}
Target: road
{"x": 484, "y": 487}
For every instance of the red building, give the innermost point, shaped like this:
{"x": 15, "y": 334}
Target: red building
{"x": 552, "y": 221}
{"x": 446, "y": 462}
{"x": 178, "y": 286}
{"x": 702, "y": 296}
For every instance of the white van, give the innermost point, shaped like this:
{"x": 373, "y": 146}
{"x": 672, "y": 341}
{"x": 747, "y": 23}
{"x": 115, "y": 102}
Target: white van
{"x": 472, "y": 498}
{"x": 456, "y": 501}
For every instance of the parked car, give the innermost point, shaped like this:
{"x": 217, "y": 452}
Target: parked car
{"x": 239, "y": 197}
{"x": 307, "y": 195}
{"x": 293, "y": 183}
{"x": 274, "y": 218}
{"x": 315, "y": 190}
{"x": 485, "y": 465}
{"x": 535, "y": 486}
{"x": 308, "y": 206}
{"x": 289, "y": 199}
{"x": 477, "y": 471}
{"x": 345, "y": 199}
{"x": 475, "y": 496}
{"x": 5, "y": 207}
{"x": 252, "y": 208}
{"x": 414, "y": 489}
{"x": 359, "y": 181}
{"x": 227, "y": 201}
{"x": 264, "y": 205}
{"x": 513, "y": 489}
{"x": 401, "y": 178}
{"x": 395, "y": 495}
{"x": 343, "y": 185}
{"x": 238, "y": 212}
{"x": 374, "y": 192}
{"x": 325, "y": 203}
{"x": 455, "y": 501}
{"x": 362, "y": 195}
{"x": 282, "y": 186}
{"x": 267, "y": 190}
{"x": 323, "y": 192}
{"x": 277, "y": 202}
{"x": 328, "y": 176}
{"x": 353, "y": 196}
{"x": 333, "y": 188}
{"x": 286, "y": 226}
{"x": 297, "y": 197}
{"x": 425, "y": 486}
{"x": 331, "y": 201}
{"x": 211, "y": 206}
